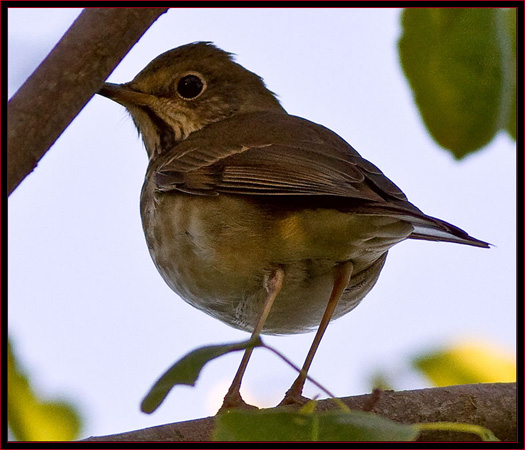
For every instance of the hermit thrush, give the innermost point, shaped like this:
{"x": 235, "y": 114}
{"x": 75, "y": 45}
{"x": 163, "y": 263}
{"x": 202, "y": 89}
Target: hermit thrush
{"x": 266, "y": 221}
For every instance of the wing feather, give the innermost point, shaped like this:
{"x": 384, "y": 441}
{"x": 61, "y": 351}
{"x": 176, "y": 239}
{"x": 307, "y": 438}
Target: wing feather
{"x": 275, "y": 154}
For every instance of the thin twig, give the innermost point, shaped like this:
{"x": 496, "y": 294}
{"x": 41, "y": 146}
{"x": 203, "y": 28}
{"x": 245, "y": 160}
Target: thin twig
{"x": 291, "y": 364}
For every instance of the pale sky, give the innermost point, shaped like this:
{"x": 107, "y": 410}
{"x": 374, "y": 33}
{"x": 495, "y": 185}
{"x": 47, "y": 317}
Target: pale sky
{"x": 93, "y": 321}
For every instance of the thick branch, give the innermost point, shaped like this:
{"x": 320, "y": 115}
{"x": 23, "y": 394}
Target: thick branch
{"x": 492, "y": 405}
{"x": 64, "y": 82}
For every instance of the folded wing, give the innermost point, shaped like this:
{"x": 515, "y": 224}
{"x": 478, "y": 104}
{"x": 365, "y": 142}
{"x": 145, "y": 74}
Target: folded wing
{"x": 274, "y": 154}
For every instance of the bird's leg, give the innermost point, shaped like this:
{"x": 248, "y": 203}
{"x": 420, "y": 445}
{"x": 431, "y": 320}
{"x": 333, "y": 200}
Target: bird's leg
{"x": 274, "y": 284}
{"x": 342, "y": 275}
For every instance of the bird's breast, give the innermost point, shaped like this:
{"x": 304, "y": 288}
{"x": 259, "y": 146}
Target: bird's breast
{"x": 215, "y": 252}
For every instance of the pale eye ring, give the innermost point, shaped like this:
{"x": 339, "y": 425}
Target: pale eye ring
{"x": 191, "y": 85}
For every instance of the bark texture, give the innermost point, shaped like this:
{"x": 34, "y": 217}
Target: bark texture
{"x": 64, "y": 82}
{"x": 491, "y": 405}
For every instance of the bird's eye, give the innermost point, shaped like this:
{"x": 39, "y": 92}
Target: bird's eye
{"x": 191, "y": 86}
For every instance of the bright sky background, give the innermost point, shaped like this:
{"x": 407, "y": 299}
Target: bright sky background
{"x": 92, "y": 320}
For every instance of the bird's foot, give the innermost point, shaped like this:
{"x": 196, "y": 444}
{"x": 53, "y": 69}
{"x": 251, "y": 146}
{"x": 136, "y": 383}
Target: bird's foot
{"x": 234, "y": 401}
{"x": 293, "y": 397}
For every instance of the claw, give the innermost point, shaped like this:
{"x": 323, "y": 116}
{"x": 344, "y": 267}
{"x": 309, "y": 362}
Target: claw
{"x": 234, "y": 401}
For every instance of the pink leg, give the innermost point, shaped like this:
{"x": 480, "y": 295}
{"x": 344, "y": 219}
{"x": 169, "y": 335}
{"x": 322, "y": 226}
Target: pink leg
{"x": 233, "y": 398}
{"x": 342, "y": 275}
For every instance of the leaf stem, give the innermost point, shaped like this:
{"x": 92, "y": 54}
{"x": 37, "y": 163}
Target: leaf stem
{"x": 484, "y": 433}
{"x": 308, "y": 377}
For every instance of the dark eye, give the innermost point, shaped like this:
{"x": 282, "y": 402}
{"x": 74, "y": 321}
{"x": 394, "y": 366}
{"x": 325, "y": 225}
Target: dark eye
{"x": 190, "y": 86}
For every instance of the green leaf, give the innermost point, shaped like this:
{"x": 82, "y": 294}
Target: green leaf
{"x": 467, "y": 362}
{"x": 484, "y": 433}
{"x": 511, "y": 21}
{"x": 336, "y": 425}
{"x": 187, "y": 370}
{"x": 32, "y": 418}
{"x": 461, "y": 68}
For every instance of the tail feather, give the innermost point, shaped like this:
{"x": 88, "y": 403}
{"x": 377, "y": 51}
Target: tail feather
{"x": 433, "y": 229}
{"x": 425, "y": 227}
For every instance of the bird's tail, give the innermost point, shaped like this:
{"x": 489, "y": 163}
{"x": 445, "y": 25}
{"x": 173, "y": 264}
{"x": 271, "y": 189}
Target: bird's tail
{"x": 433, "y": 229}
{"x": 426, "y": 228}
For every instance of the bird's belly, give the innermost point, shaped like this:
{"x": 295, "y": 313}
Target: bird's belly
{"x": 216, "y": 252}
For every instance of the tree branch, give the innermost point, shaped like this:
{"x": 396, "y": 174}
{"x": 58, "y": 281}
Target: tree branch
{"x": 64, "y": 82}
{"x": 491, "y": 405}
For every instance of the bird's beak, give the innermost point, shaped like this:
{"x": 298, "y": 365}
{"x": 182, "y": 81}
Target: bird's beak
{"x": 123, "y": 94}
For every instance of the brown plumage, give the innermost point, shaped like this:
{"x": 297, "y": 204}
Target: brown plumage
{"x": 269, "y": 162}
{"x": 254, "y": 216}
